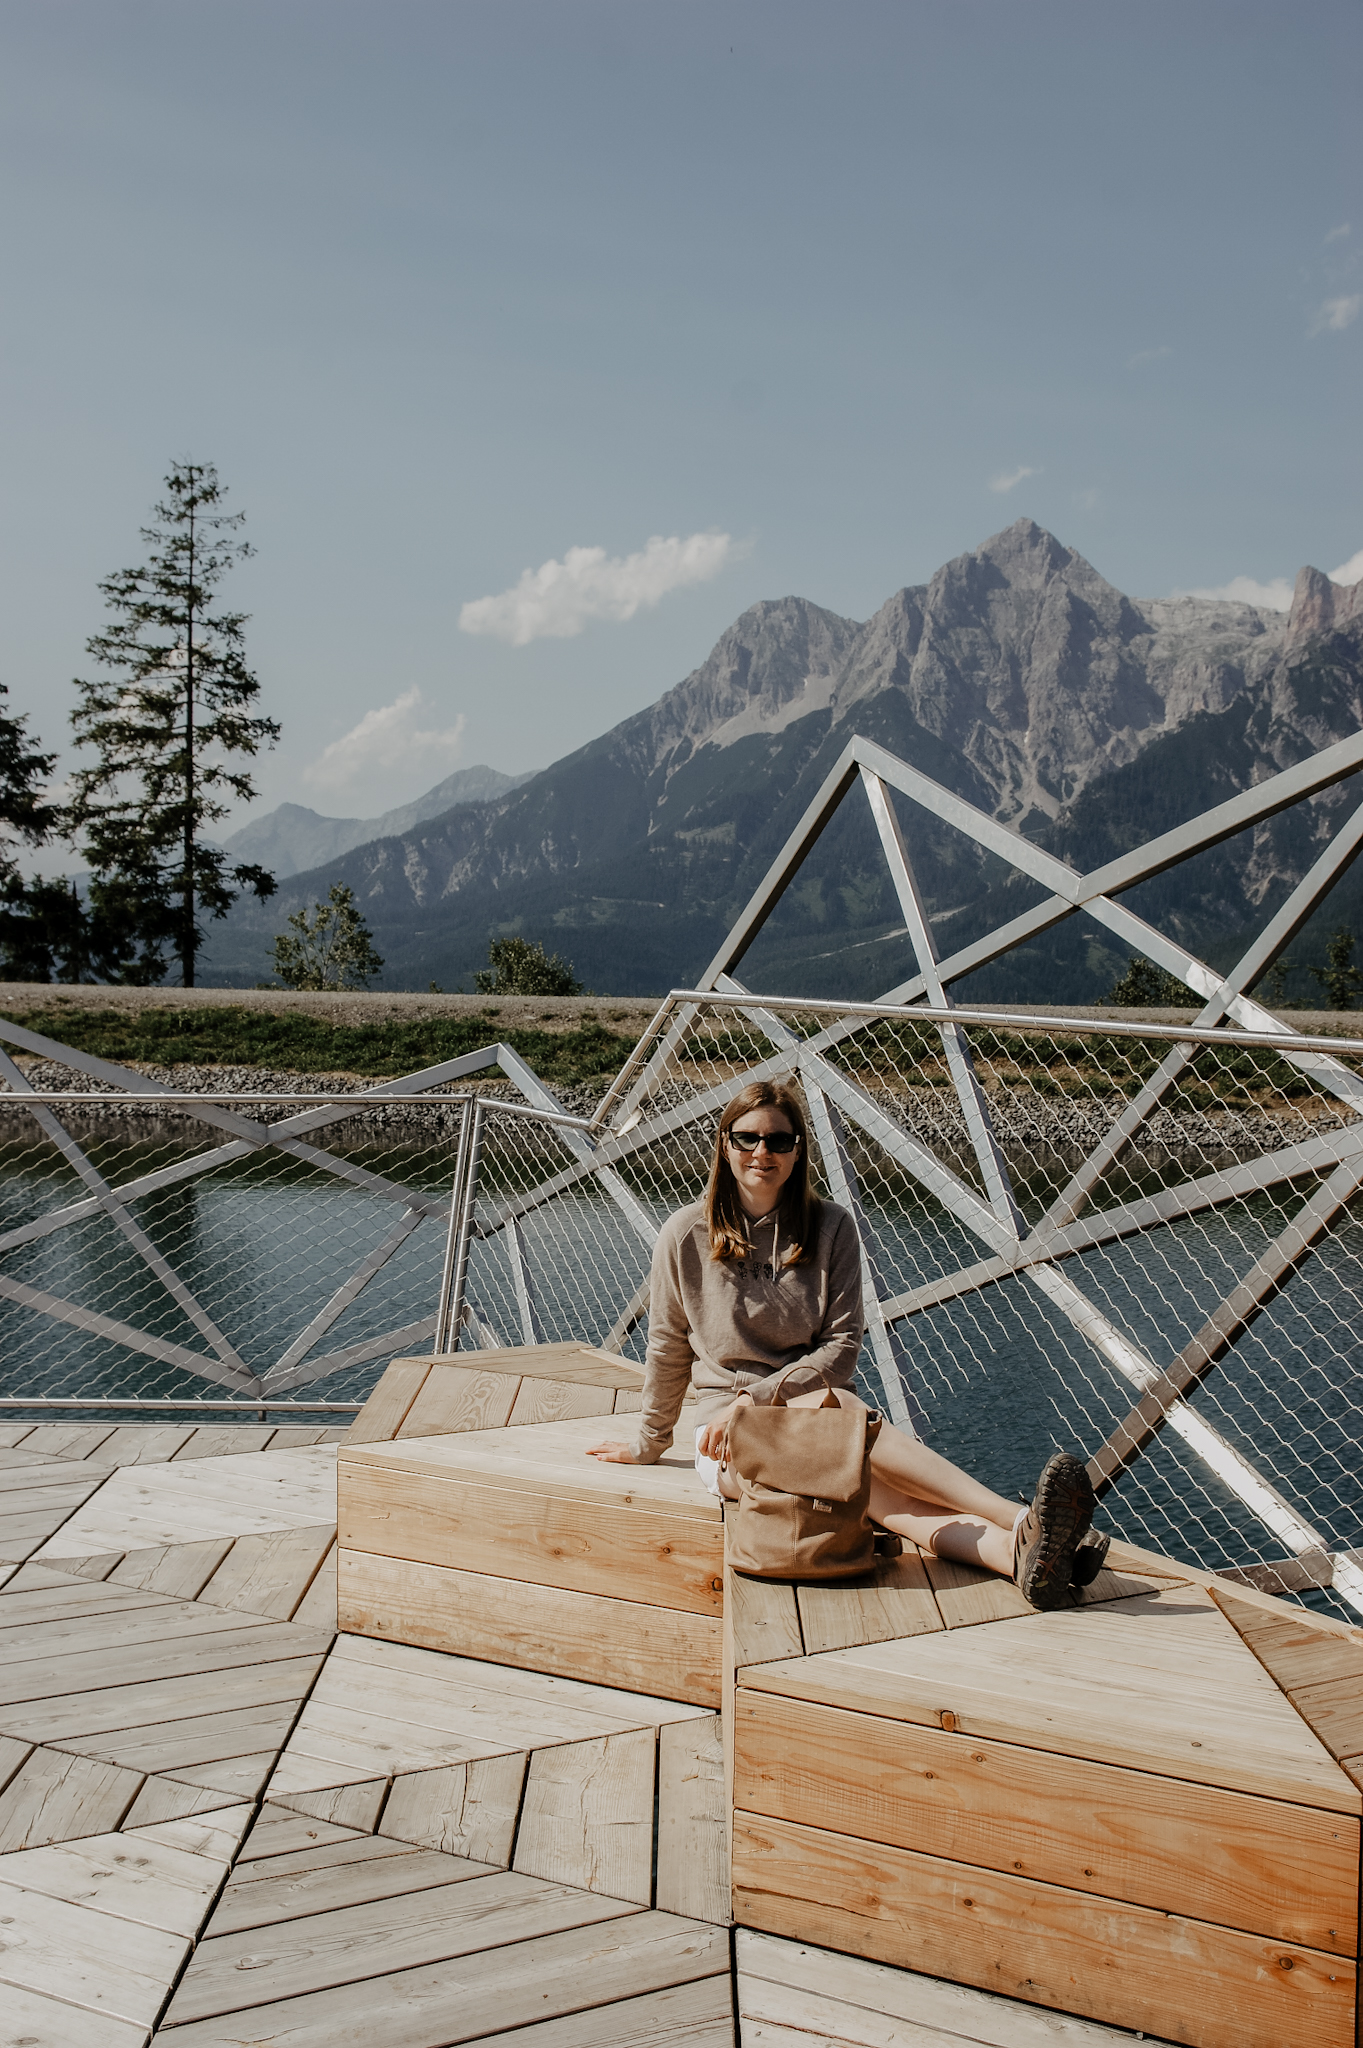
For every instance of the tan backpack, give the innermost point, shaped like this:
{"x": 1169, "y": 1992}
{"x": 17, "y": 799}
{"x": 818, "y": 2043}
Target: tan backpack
{"x": 804, "y": 1483}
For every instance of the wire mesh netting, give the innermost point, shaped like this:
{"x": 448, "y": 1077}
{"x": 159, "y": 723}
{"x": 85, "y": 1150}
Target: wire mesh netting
{"x": 1142, "y": 1247}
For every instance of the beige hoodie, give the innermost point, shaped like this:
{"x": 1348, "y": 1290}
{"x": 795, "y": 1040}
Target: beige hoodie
{"x": 727, "y": 1324}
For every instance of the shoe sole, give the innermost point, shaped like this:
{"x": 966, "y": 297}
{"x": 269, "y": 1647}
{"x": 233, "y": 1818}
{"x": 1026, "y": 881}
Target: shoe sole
{"x": 1089, "y": 1559}
{"x": 1064, "y": 1506}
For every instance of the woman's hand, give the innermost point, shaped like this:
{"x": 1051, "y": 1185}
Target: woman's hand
{"x": 713, "y": 1441}
{"x": 613, "y": 1454}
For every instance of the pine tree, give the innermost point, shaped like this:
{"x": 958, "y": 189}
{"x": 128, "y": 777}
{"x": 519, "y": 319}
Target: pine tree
{"x": 166, "y": 722}
{"x": 334, "y": 948}
{"x": 27, "y": 818}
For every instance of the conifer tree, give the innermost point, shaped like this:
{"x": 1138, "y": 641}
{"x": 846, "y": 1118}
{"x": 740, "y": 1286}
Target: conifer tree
{"x": 168, "y": 723}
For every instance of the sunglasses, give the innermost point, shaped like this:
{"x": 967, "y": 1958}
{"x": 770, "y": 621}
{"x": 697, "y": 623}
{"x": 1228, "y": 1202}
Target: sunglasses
{"x": 775, "y": 1141}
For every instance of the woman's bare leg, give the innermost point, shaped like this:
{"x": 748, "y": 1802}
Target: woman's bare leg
{"x": 900, "y": 1462}
{"x": 969, "y": 1539}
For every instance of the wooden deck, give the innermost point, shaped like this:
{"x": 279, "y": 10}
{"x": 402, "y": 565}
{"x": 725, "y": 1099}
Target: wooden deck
{"x": 952, "y": 1821}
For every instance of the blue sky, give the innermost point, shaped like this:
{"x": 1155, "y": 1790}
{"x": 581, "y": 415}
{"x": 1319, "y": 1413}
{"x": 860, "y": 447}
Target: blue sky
{"x": 447, "y": 291}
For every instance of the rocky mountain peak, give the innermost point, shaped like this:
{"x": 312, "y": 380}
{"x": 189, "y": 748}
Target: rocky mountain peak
{"x": 1320, "y": 606}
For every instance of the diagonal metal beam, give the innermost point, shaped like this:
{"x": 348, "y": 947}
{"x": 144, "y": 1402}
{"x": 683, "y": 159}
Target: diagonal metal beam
{"x": 96, "y": 1325}
{"x": 534, "y": 1090}
{"x": 110, "y": 1206}
{"x": 974, "y": 1108}
{"x": 392, "y": 1344}
{"x": 345, "y": 1295}
{"x": 1223, "y": 1328}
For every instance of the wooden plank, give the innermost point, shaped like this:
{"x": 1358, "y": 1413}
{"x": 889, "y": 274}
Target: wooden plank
{"x": 1333, "y": 1711}
{"x": 1258, "y": 1864}
{"x": 144, "y": 1506}
{"x": 217, "y": 1833}
{"x": 191, "y": 1652}
{"x": 141, "y": 1443}
{"x": 764, "y": 1617}
{"x": 347, "y": 1806}
{"x": 278, "y": 1832}
{"x": 270, "y": 1573}
{"x": 628, "y": 1402}
{"x": 197, "y": 1739}
{"x": 42, "y": 2022}
{"x": 587, "y": 1818}
{"x": 144, "y": 1881}
{"x": 553, "y": 1400}
{"x": 696, "y": 2015}
{"x": 90, "y": 1567}
{"x": 382, "y": 1414}
{"x": 468, "y": 1809}
{"x": 86, "y": 1958}
{"x": 348, "y": 1848}
{"x": 68, "y": 1439}
{"x": 788, "y": 1990}
{"x": 550, "y": 1459}
{"x": 357, "y": 1942}
{"x": 325, "y": 1888}
{"x": 114, "y": 1630}
{"x": 543, "y": 1628}
{"x": 129, "y": 1706}
{"x": 48, "y": 1474}
{"x": 53, "y": 1797}
{"x": 894, "y": 1600}
{"x": 317, "y": 1608}
{"x": 178, "y": 1569}
{"x": 7, "y": 1571}
{"x": 42, "y": 1495}
{"x": 22, "y": 1534}
{"x": 427, "y": 1675}
{"x": 580, "y": 1364}
{"x": 38, "y": 1594}
{"x": 12, "y": 1754}
{"x": 967, "y": 1597}
{"x": 1298, "y": 1657}
{"x": 12, "y": 1433}
{"x": 163, "y": 1799}
{"x": 518, "y": 1981}
{"x": 241, "y": 1777}
{"x": 225, "y": 1440}
{"x": 295, "y": 1435}
{"x": 459, "y": 1398}
{"x": 335, "y": 1746}
{"x": 693, "y": 1837}
{"x": 1158, "y": 1683}
{"x": 1120, "y": 1964}
{"x": 640, "y": 1553}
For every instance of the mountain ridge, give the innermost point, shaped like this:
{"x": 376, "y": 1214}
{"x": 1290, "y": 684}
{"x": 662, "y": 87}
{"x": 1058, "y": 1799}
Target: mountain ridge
{"x": 1018, "y": 676}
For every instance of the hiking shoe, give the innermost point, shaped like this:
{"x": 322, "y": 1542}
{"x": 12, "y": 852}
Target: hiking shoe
{"x": 1089, "y": 1558}
{"x": 1050, "y": 1533}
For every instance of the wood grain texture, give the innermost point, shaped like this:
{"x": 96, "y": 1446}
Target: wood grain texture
{"x": 248, "y": 1684}
{"x": 346, "y": 1806}
{"x": 217, "y": 1834}
{"x": 895, "y": 1600}
{"x": 53, "y": 1797}
{"x": 457, "y": 1398}
{"x": 74, "y": 1440}
{"x": 1333, "y": 1711}
{"x": 325, "y": 1887}
{"x": 466, "y": 1809}
{"x": 85, "y": 1957}
{"x": 146, "y": 1882}
{"x": 144, "y": 1506}
{"x": 684, "y": 2016}
{"x": 386, "y": 1409}
{"x": 270, "y": 1573}
{"x": 693, "y": 1832}
{"x": 513, "y": 1983}
{"x": 550, "y": 1459}
{"x": 278, "y": 1832}
{"x": 241, "y": 1777}
{"x": 553, "y": 1400}
{"x": 764, "y": 1618}
{"x": 587, "y": 1817}
{"x": 317, "y": 1608}
{"x": 141, "y": 1443}
{"x": 226, "y": 1440}
{"x": 1158, "y": 1683}
{"x": 967, "y": 1597}
{"x": 578, "y": 1364}
{"x": 233, "y": 1972}
{"x": 193, "y": 1652}
{"x": 196, "y": 1739}
{"x": 790, "y": 1986}
{"x": 1259, "y": 1864}
{"x": 641, "y": 1553}
{"x": 180, "y": 1570}
{"x": 541, "y": 1628}
{"x": 41, "y": 2022}
{"x": 164, "y": 1799}
{"x": 1211, "y": 1987}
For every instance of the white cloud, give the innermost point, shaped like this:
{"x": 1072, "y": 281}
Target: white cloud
{"x": 1350, "y": 571}
{"x": 387, "y": 739}
{"x": 1341, "y": 233}
{"x": 1274, "y": 597}
{"x": 1337, "y": 314}
{"x": 1009, "y": 478}
{"x": 1148, "y": 355}
{"x": 558, "y": 599}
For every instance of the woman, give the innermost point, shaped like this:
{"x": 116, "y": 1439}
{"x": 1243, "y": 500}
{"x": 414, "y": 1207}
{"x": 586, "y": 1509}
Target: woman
{"x": 760, "y": 1273}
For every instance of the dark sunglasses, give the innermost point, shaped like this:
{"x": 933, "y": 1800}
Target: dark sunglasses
{"x": 775, "y": 1141}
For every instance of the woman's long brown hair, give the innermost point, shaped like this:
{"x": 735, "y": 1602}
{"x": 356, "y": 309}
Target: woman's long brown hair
{"x": 799, "y": 1207}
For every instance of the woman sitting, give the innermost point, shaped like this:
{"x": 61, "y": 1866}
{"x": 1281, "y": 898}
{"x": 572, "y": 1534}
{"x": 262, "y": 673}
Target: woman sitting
{"x": 762, "y": 1272}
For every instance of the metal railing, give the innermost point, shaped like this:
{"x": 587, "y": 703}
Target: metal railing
{"x": 1137, "y": 1241}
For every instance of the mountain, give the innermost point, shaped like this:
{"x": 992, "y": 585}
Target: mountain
{"x": 292, "y": 837}
{"x": 1018, "y": 677}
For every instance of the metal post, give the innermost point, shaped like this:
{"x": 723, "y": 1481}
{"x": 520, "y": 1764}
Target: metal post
{"x": 442, "y": 1314}
{"x": 459, "y": 1260}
